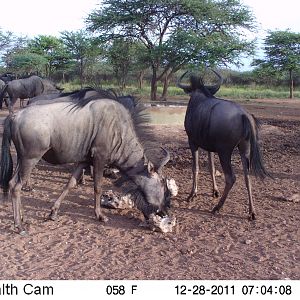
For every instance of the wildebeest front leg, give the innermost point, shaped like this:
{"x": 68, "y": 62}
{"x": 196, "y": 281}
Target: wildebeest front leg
{"x": 212, "y": 171}
{"x": 71, "y": 184}
{"x": 98, "y": 169}
{"x": 225, "y": 160}
{"x": 195, "y": 169}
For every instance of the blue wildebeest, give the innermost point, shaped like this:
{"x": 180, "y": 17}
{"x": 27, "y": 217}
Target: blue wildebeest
{"x": 6, "y": 77}
{"x": 26, "y": 88}
{"x": 128, "y": 101}
{"x": 91, "y": 131}
{"x": 2, "y": 85}
{"x": 219, "y": 126}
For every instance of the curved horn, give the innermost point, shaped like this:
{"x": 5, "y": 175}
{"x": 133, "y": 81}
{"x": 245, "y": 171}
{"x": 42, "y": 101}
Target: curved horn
{"x": 164, "y": 160}
{"x": 183, "y": 86}
{"x": 213, "y": 89}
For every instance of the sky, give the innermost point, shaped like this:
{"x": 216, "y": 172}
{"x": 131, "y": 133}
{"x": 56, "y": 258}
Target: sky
{"x": 44, "y": 17}
{"x": 50, "y": 17}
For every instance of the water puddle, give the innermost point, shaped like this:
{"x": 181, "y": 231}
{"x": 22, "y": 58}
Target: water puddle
{"x": 166, "y": 115}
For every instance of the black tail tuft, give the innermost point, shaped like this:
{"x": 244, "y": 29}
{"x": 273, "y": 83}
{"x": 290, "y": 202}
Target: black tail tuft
{"x": 6, "y": 164}
{"x": 256, "y": 161}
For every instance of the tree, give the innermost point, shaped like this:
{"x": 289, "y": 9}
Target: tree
{"x": 125, "y": 56}
{"x": 81, "y": 47}
{"x": 26, "y": 63}
{"x": 6, "y": 39}
{"x": 282, "y": 54}
{"x": 162, "y": 26}
{"x": 52, "y": 49}
{"x": 10, "y": 44}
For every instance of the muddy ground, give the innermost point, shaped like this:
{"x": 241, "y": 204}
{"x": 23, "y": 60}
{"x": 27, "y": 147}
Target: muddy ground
{"x": 202, "y": 246}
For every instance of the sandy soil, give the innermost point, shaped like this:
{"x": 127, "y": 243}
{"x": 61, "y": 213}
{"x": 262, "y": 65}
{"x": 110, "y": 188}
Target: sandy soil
{"x": 202, "y": 246}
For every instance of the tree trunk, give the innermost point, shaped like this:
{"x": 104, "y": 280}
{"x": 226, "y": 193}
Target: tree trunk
{"x": 153, "y": 84}
{"x": 81, "y": 73}
{"x": 63, "y": 77}
{"x": 165, "y": 88}
{"x": 141, "y": 79}
{"x": 291, "y": 85}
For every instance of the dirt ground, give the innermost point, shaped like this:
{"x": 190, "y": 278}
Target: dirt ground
{"x": 202, "y": 246}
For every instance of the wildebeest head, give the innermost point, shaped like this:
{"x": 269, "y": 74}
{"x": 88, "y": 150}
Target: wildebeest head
{"x": 196, "y": 83}
{"x": 154, "y": 190}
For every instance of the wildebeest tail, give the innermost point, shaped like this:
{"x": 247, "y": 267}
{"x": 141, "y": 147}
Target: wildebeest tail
{"x": 2, "y": 95}
{"x": 6, "y": 164}
{"x": 252, "y": 126}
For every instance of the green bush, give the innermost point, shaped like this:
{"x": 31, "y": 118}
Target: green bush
{"x": 227, "y": 92}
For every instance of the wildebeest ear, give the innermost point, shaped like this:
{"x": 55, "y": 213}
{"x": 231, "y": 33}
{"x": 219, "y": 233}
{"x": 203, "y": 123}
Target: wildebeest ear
{"x": 150, "y": 168}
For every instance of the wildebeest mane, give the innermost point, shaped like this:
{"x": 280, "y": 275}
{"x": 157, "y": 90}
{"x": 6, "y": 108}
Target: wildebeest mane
{"x": 138, "y": 113}
{"x": 198, "y": 84}
{"x": 81, "y": 100}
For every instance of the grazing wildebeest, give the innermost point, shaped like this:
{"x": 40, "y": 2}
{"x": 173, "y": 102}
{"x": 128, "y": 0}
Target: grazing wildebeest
{"x": 128, "y": 101}
{"x": 26, "y": 88}
{"x": 218, "y": 125}
{"x": 89, "y": 131}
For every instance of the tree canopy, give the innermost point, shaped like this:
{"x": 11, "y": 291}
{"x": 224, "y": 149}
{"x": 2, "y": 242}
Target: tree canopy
{"x": 282, "y": 54}
{"x": 175, "y": 32}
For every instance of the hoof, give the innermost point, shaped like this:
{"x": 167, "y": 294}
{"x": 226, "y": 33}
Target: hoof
{"x": 52, "y": 216}
{"x": 216, "y": 194}
{"x": 215, "y": 210}
{"x": 191, "y": 197}
{"x": 252, "y": 216}
{"x": 21, "y": 231}
{"x": 102, "y": 218}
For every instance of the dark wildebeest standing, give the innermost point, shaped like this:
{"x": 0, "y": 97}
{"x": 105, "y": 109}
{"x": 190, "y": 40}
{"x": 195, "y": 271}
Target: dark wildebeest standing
{"x": 26, "y": 88}
{"x": 218, "y": 125}
{"x": 93, "y": 132}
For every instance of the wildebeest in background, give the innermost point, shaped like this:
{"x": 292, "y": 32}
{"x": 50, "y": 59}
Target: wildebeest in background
{"x": 6, "y": 77}
{"x": 43, "y": 98}
{"x": 93, "y": 132}
{"x": 26, "y": 88}
{"x": 127, "y": 100}
{"x": 2, "y": 85}
{"x": 218, "y": 125}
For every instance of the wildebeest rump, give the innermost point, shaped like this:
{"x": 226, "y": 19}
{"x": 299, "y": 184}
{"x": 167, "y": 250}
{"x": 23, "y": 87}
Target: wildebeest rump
{"x": 93, "y": 132}
{"x": 26, "y": 88}
{"x": 218, "y": 125}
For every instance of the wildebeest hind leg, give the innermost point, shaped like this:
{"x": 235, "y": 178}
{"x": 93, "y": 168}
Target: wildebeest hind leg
{"x": 77, "y": 173}
{"x": 212, "y": 171}
{"x": 195, "y": 169}
{"x": 22, "y": 173}
{"x": 225, "y": 160}
{"x": 244, "y": 149}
